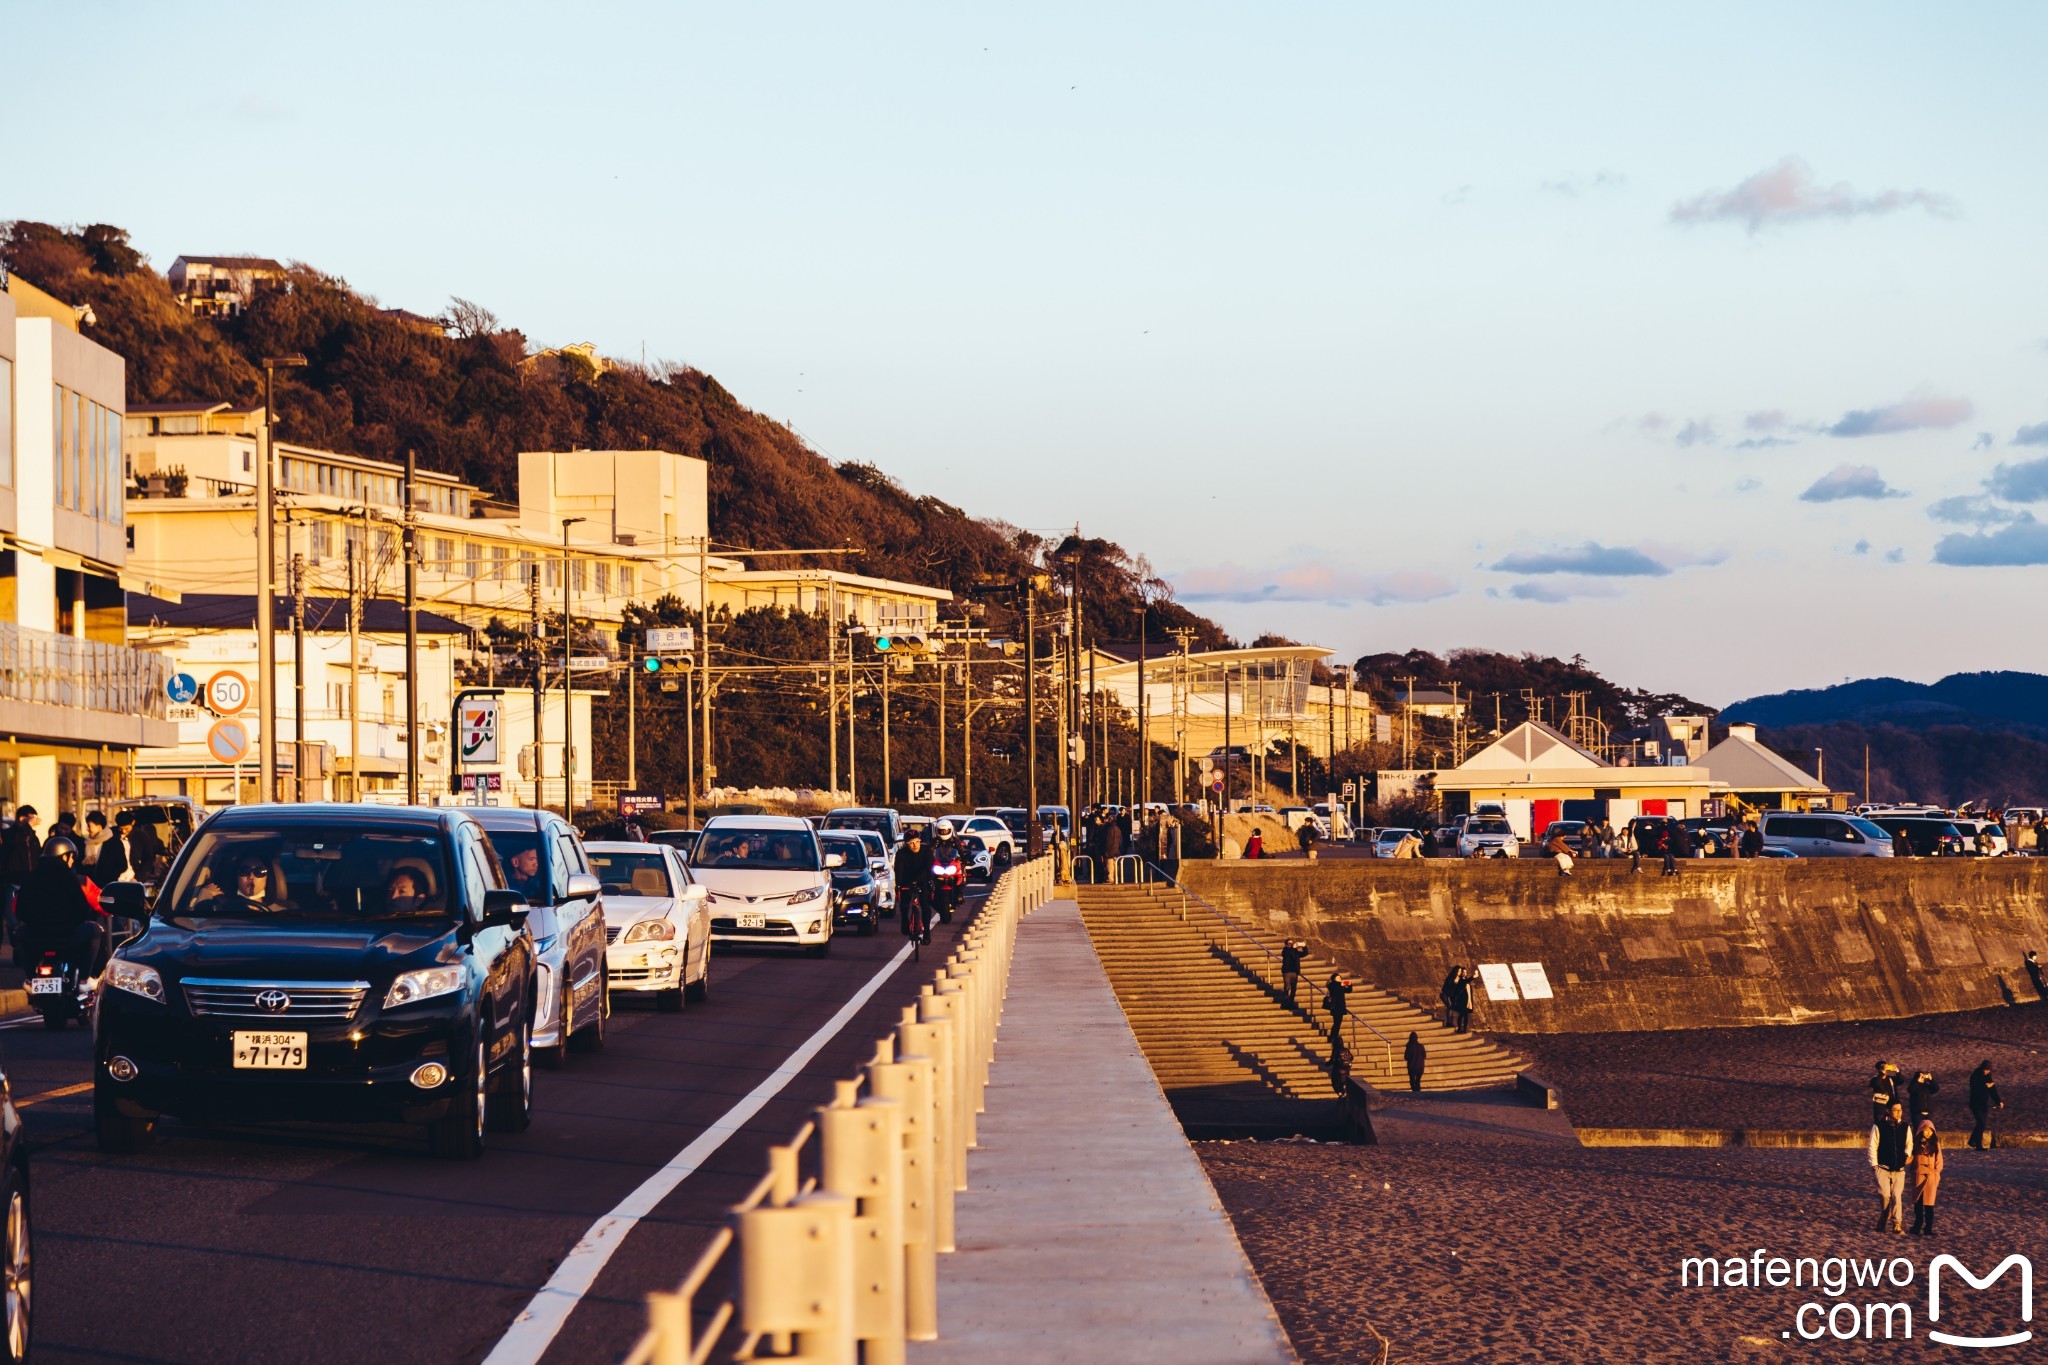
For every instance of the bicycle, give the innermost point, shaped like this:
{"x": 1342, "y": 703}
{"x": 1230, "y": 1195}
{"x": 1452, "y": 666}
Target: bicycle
{"x": 916, "y": 923}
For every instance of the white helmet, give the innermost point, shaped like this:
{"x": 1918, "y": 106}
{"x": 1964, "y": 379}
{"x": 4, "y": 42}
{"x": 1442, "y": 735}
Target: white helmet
{"x": 944, "y": 829}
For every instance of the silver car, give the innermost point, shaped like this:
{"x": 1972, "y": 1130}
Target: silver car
{"x": 1824, "y": 834}
{"x": 544, "y": 860}
{"x": 881, "y": 862}
{"x": 657, "y": 921}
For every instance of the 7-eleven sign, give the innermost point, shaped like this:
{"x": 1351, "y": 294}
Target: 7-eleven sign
{"x": 478, "y": 728}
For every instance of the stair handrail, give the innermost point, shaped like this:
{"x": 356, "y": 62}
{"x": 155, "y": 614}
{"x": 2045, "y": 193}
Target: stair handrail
{"x": 1230, "y": 926}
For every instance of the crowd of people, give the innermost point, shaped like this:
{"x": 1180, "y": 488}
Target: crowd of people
{"x": 1904, "y": 1148}
{"x": 50, "y": 883}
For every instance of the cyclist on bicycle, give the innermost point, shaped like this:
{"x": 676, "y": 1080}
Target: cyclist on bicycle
{"x": 914, "y": 886}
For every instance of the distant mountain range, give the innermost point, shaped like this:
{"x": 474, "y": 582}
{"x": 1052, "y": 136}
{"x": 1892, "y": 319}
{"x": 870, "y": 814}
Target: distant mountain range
{"x": 1979, "y": 737}
{"x": 2014, "y": 703}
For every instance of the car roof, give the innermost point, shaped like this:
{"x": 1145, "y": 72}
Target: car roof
{"x": 864, "y": 810}
{"x": 789, "y": 822}
{"x": 509, "y": 817}
{"x": 620, "y": 846}
{"x": 339, "y": 812}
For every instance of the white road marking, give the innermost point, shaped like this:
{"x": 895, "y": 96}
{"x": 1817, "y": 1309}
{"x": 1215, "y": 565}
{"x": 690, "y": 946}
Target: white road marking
{"x": 537, "y": 1325}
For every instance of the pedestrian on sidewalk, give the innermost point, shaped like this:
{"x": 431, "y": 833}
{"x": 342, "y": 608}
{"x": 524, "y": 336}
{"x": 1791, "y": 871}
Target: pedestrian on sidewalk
{"x": 1891, "y": 1150}
{"x": 1461, "y": 998}
{"x": 1418, "y": 1057}
{"x": 2034, "y": 975}
{"x": 1920, "y": 1094}
{"x": 1291, "y": 953}
{"x": 1983, "y": 1099}
{"x": 1926, "y": 1178}
{"x": 1337, "y": 1000}
{"x": 1559, "y": 848}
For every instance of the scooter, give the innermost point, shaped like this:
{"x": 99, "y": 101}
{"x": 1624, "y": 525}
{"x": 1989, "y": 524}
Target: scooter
{"x": 58, "y": 990}
{"x": 949, "y": 876}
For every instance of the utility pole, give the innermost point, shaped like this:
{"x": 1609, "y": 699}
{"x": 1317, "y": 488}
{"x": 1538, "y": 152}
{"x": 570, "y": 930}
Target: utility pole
{"x": 266, "y": 575}
{"x": 832, "y": 679}
{"x": 1144, "y": 740}
{"x": 887, "y": 669}
{"x": 1408, "y": 723}
{"x": 412, "y": 643}
{"x": 941, "y": 661}
{"x": 1181, "y": 705}
{"x": 852, "y": 730}
{"x": 1229, "y": 758}
{"x": 568, "y": 698}
{"x": 355, "y": 623}
{"x": 967, "y": 729}
{"x": 704, "y": 651}
{"x": 1060, "y": 736}
{"x": 1034, "y": 843}
{"x": 632, "y": 687}
{"x": 533, "y": 599}
{"x": 298, "y": 673}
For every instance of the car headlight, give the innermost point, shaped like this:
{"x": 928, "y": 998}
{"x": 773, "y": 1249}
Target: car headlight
{"x": 135, "y": 979}
{"x": 810, "y": 893}
{"x": 649, "y": 929}
{"x": 859, "y": 893}
{"x": 424, "y": 984}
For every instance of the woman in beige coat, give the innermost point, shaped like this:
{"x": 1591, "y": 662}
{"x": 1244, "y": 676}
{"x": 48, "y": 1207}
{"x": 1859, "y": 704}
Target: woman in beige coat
{"x": 1925, "y": 1170}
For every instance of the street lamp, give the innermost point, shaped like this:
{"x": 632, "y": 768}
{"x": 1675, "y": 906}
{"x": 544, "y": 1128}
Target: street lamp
{"x": 266, "y": 570}
{"x": 568, "y": 700}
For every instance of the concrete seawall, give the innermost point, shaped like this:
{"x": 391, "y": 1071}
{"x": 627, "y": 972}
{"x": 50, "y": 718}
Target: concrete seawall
{"x": 1766, "y": 942}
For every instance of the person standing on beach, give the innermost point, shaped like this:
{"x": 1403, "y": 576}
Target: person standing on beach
{"x": 1417, "y": 1057}
{"x": 1920, "y": 1094}
{"x": 1890, "y": 1150}
{"x": 1291, "y": 951}
{"x": 1926, "y": 1178}
{"x": 1983, "y": 1099}
{"x": 1884, "y": 1088}
{"x": 1445, "y": 993}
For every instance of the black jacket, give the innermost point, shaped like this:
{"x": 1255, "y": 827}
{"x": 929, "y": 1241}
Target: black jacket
{"x": 19, "y": 853}
{"x": 111, "y": 861}
{"x": 1894, "y": 1143}
{"x": 1416, "y": 1054}
{"x": 1337, "y": 998}
{"x": 52, "y": 904}
{"x": 1290, "y": 958}
{"x": 913, "y": 866}
{"x": 1983, "y": 1090}
{"x": 1920, "y": 1096}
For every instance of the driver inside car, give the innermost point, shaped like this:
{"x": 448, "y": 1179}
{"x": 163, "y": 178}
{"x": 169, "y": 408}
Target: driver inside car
{"x": 252, "y": 887}
{"x": 402, "y": 893}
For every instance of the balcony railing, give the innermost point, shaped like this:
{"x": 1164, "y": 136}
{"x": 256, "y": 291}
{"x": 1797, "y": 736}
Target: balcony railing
{"x": 60, "y": 670}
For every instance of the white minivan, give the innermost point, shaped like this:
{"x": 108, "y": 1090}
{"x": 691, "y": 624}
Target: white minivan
{"x": 1825, "y": 834}
{"x": 768, "y": 881}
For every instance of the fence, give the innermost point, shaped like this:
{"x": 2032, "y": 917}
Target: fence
{"x": 61, "y": 670}
{"x": 833, "y": 1255}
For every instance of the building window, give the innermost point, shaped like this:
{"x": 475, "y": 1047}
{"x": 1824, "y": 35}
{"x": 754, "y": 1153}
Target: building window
{"x": 444, "y": 555}
{"x": 499, "y": 554}
{"x": 472, "y": 560}
{"x": 526, "y": 566}
{"x": 604, "y": 579}
{"x": 625, "y": 580}
{"x": 577, "y": 577}
{"x": 320, "y": 545}
{"x": 386, "y": 546}
{"x": 77, "y": 445}
{"x": 59, "y": 410}
{"x": 554, "y": 573}
{"x": 117, "y": 473}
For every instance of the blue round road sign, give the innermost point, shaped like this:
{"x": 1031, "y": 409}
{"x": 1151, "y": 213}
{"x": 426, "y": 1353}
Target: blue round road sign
{"x": 183, "y": 688}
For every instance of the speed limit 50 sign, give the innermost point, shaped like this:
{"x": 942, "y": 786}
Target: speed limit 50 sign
{"x": 227, "y": 692}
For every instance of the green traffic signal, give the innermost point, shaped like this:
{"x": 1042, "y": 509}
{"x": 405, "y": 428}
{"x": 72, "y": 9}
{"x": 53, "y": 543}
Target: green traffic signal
{"x": 651, "y": 664}
{"x": 883, "y": 644}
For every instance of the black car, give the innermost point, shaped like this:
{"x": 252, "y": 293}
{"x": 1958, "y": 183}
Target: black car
{"x": 331, "y": 963}
{"x": 856, "y": 896}
{"x": 1931, "y": 837}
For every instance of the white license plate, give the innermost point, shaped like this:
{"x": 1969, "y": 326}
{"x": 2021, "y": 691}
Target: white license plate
{"x": 270, "y": 1051}
{"x": 753, "y": 921}
{"x": 46, "y": 985}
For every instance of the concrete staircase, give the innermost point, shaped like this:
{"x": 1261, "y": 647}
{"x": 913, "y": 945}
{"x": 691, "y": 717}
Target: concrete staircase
{"x": 1196, "y": 990}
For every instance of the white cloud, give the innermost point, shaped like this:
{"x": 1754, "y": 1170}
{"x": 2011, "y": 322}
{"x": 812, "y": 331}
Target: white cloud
{"x": 1849, "y": 481}
{"x": 1789, "y": 192}
{"x": 1309, "y": 583}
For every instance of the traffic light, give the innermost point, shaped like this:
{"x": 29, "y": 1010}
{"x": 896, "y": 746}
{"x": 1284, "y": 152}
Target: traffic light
{"x": 651, "y": 663}
{"x": 903, "y": 642}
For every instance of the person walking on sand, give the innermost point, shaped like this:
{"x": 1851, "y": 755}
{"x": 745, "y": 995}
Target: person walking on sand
{"x": 1291, "y": 952}
{"x": 1890, "y": 1151}
{"x": 1983, "y": 1099}
{"x": 1926, "y": 1177}
{"x": 1417, "y": 1057}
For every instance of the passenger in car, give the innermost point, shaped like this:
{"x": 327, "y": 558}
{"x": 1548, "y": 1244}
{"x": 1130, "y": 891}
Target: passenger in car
{"x": 402, "y": 894}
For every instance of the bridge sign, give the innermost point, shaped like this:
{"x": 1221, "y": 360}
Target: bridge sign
{"x": 671, "y": 639}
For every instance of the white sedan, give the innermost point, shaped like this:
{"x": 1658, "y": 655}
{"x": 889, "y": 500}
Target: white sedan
{"x": 993, "y": 836}
{"x": 657, "y": 923}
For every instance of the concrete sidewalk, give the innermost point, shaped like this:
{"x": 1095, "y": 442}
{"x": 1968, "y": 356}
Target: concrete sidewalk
{"x": 1088, "y": 1231}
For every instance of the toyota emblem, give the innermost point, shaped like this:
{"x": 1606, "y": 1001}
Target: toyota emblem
{"x": 275, "y": 1001}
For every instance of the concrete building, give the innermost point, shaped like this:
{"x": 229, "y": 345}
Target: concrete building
{"x": 1436, "y": 705}
{"x": 75, "y": 701}
{"x": 1540, "y": 775}
{"x": 1761, "y": 778}
{"x": 222, "y": 286}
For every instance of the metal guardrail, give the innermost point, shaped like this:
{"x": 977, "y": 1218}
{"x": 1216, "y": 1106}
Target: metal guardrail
{"x": 43, "y": 667}
{"x": 833, "y": 1254}
{"x": 1231, "y": 927}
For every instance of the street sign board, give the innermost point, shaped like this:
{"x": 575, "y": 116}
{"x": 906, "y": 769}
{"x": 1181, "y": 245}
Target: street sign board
{"x": 479, "y": 729}
{"x": 639, "y": 803}
{"x": 185, "y": 712}
{"x": 589, "y": 663}
{"x": 477, "y": 782}
{"x": 671, "y": 639}
{"x": 182, "y": 689}
{"x": 228, "y": 741}
{"x": 930, "y": 791}
{"x": 227, "y": 692}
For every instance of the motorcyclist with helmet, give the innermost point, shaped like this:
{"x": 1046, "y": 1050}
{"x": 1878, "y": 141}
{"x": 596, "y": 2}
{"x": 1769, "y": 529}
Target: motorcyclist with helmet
{"x": 947, "y": 849}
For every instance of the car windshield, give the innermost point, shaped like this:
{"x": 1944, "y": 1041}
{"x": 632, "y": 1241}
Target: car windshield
{"x": 873, "y": 844}
{"x": 1867, "y": 829}
{"x": 312, "y": 872}
{"x": 1488, "y": 827}
{"x": 1016, "y": 822}
{"x": 766, "y": 850}
{"x": 855, "y": 868}
{"x": 631, "y": 874}
{"x": 860, "y": 819}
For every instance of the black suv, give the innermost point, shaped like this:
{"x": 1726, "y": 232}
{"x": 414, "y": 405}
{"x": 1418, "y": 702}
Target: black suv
{"x": 337, "y": 963}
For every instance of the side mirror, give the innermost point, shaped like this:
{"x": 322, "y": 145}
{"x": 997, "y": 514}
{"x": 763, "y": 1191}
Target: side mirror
{"x": 505, "y": 909}
{"x": 696, "y": 891}
{"x": 583, "y": 886}
{"x": 835, "y": 860}
{"x": 125, "y": 900}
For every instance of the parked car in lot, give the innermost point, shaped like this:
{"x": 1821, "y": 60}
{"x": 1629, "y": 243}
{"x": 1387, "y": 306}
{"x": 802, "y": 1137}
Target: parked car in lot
{"x": 657, "y": 923}
{"x": 881, "y": 863}
{"x": 1385, "y": 841}
{"x": 342, "y": 963}
{"x": 769, "y": 881}
{"x": 1824, "y": 834}
{"x": 544, "y": 861}
{"x": 1489, "y": 837}
{"x": 1574, "y": 832}
{"x": 1990, "y": 829}
{"x": 1930, "y": 837}
{"x": 856, "y": 894}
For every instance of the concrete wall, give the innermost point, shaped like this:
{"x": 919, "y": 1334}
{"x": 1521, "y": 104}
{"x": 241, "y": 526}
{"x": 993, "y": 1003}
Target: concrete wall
{"x": 1768, "y": 942}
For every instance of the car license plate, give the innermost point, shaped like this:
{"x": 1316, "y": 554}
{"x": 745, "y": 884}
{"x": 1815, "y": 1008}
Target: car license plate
{"x": 753, "y": 921}
{"x": 270, "y": 1051}
{"x": 46, "y": 985}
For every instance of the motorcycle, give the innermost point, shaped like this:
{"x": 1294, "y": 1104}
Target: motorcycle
{"x": 949, "y": 878}
{"x": 58, "y": 989}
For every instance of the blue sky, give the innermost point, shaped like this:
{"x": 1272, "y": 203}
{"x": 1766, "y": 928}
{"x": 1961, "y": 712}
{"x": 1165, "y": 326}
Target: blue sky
{"x": 1713, "y": 345}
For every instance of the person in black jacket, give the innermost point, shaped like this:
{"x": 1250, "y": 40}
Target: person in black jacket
{"x": 1890, "y": 1150}
{"x": 145, "y": 849}
{"x": 1417, "y": 1057}
{"x": 1983, "y": 1099}
{"x": 1920, "y": 1095}
{"x": 19, "y": 853}
{"x": 2034, "y": 974}
{"x": 110, "y": 861}
{"x": 1291, "y": 953}
{"x": 914, "y": 880}
{"x": 1884, "y": 1088}
{"x": 1337, "y": 1000}
{"x": 56, "y": 914}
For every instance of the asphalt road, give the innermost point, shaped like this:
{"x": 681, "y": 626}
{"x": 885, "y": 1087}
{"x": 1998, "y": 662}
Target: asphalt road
{"x": 308, "y": 1244}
